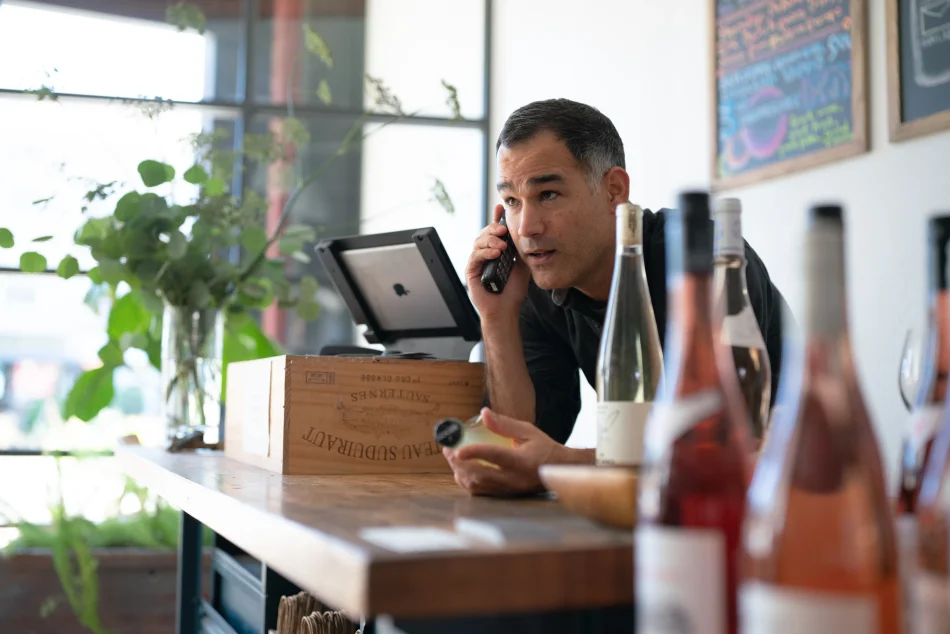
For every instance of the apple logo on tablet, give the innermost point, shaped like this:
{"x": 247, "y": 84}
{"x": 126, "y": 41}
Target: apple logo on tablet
{"x": 400, "y": 290}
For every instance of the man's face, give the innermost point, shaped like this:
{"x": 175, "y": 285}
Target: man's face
{"x": 563, "y": 230}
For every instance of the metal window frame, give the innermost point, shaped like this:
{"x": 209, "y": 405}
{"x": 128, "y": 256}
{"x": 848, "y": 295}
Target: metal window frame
{"x": 245, "y": 109}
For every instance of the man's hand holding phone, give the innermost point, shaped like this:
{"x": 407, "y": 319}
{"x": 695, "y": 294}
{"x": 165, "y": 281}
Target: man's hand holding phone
{"x": 489, "y": 246}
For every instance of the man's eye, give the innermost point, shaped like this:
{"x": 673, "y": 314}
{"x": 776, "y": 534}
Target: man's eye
{"x": 549, "y": 195}
{"x": 510, "y": 202}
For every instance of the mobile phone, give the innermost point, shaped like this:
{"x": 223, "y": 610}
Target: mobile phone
{"x": 495, "y": 272}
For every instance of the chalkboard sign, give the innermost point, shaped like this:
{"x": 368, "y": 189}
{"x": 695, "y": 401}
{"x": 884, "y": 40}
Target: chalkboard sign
{"x": 918, "y": 60}
{"x": 789, "y": 86}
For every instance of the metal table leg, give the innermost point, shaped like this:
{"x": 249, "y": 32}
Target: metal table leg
{"x": 189, "y": 575}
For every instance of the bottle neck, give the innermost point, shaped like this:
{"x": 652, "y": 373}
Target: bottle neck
{"x": 732, "y": 292}
{"x": 694, "y": 309}
{"x": 825, "y": 299}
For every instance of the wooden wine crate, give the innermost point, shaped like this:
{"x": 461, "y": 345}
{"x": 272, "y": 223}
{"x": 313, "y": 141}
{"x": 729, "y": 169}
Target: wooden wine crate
{"x": 343, "y": 415}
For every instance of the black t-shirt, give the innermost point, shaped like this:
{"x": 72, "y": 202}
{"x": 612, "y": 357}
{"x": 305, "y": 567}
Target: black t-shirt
{"x": 561, "y": 330}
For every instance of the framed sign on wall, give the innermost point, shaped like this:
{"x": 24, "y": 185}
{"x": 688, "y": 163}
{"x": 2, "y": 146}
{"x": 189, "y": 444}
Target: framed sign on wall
{"x": 918, "y": 67}
{"x": 788, "y": 86}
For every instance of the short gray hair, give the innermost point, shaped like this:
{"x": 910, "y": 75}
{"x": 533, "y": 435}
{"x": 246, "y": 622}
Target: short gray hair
{"x": 588, "y": 134}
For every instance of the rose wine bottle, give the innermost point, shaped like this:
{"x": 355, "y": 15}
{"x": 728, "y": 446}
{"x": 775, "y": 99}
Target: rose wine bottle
{"x": 739, "y": 329}
{"x": 698, "y": 456}
{"x": 630, "y": 360}
{"x": 819, "y": 545}
{"x": 927, "y": 410}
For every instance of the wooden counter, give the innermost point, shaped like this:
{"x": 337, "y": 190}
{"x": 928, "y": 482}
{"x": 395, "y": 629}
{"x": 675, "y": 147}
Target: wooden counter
{"x": 311, "y": 530}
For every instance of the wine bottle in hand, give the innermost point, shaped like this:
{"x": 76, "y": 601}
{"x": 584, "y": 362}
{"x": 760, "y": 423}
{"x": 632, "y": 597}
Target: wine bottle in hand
{"x": 819, "y": 546}
{"x": 698, "y": 456}
{"x": 630, "y": 360}
{"x": 738, "y": 328}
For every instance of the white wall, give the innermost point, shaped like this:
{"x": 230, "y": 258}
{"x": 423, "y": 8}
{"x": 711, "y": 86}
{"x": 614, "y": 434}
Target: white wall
{"x": 646, "y": 64}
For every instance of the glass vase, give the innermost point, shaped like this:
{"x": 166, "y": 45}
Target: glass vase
{"x": 192, "y": 341}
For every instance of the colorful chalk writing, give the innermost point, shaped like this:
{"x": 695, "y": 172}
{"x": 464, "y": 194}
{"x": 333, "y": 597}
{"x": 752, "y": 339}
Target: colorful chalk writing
{"x": 783, "y": 81}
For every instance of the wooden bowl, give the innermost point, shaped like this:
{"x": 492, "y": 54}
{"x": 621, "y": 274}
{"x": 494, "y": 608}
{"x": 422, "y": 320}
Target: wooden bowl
{"x": 607, "y": 495}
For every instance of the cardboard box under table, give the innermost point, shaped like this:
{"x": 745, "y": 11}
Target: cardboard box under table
{"x": 365, "y": 410}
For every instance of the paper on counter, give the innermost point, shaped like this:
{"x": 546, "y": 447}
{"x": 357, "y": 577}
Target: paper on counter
{"x": 407, "y": 539}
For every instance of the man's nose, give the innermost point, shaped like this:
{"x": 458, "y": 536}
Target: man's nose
{"x": 531, "y": 222}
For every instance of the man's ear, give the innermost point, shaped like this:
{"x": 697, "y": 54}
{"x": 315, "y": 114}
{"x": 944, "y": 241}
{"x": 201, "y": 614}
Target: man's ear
{"x": 617, "y": 185}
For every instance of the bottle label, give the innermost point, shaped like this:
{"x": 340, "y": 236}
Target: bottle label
{"x": 767, "y": 608}
{"x": 906, "y": 525}
{"x": 620, "y": 426}
{"x": 669, "y": 421}
{"x": 680, "y": 580}
{"x": 924, "y": 422}
{"x": 931, "y": 604}
{"x": 742, "y": 330}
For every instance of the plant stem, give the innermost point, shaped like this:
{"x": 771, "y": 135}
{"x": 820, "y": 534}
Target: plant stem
{"x": 299, "y": 189}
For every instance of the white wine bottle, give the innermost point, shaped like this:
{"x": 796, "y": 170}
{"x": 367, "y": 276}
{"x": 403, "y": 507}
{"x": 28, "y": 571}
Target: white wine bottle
{"x": 739, "y": 329}
{"x": 630, "y": 360}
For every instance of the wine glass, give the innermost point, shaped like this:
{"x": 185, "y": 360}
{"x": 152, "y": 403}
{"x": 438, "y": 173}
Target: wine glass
{"x": 912, "y": 363}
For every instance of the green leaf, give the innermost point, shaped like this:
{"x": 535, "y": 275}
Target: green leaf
{"x": 452, "y": 99}
{"x": 128, "y": 206}
{"x": 308, "y": 310}
{"x": 68, "y": 267}
{"x": 294, "y": 131}
{"x": 323, "y": 92}
{"x": 302, "y": 232}
{"x": 177, "y": 245}
{"x": 93, "y": 231}
{"x": 154, "y": 351}
{"x": 195, "y": 174}
{"x": 256, "y": 292}
{"x": 91, "y": 393}
{"x": 128, "y": 314}
{"x": 152, "y": 302}
{"x": 111, "y": 355}
{"x": 95, "y": 275}
{"x": 112, "y": 271}
{"x": 199, "y": 296}
{"x": 42, "y": 201}
{"x": 128, "y": 340}
{"x": 186, "y": 15}
{"x": 315, "y": 44}
{"x": 254, "y": 239}
{"x": 294, "y": 238}
{"x": 442, "y": 196}
{"x": 32, "y": 262}
{"x": 301, "y": 257}
{"x": 214, "y": 187}
{"x": 154, "y": 173}
{"x": 308, "y": 288}
{"x": 244, "y": 341}
{"x": 42, "y": 239}
{"x": 6, "y": 238}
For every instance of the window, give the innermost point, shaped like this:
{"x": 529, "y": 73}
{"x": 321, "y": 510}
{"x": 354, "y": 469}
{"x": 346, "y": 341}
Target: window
{"x": 100, "y": 85}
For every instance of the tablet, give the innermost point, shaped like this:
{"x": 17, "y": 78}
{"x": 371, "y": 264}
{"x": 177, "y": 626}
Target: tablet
{"x": 400, "y": 285}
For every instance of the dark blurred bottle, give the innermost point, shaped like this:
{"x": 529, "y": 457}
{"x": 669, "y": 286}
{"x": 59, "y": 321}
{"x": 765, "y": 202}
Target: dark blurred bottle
{"x": 819, "y": 546}
{"x": 927, "y": 407}
{"x": 698, "y": 456}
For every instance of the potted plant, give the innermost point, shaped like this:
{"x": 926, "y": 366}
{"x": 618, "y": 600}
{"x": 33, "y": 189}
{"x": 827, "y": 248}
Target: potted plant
{"x": 184, "y": 279}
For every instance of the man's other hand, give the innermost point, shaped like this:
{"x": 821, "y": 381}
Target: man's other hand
{"x": 517, "y": 466}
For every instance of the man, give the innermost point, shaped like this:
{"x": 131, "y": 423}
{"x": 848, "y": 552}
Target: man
{"x": 561, "y": 176}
